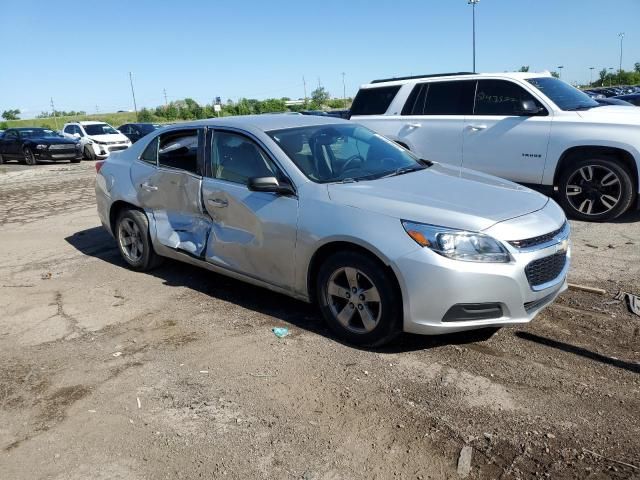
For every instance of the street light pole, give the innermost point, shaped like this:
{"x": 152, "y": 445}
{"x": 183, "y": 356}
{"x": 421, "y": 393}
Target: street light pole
{"x": 621, "y": 35}
{"x": 560, "y": 67}
{"x": 591, "y": 75}
{"x": 344, "y": 91}
{"x": 473, "y": 5}
{"x": 610, "y": 68}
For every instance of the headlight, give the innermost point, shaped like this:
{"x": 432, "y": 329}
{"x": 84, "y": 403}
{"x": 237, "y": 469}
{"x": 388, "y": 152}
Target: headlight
{"x": 42, "y": 147}
{"x": 458, "y": 244}
{"x": 98, "y": 142}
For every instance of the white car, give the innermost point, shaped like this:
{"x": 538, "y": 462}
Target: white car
{"x": 98, "y": 139}
{"x": 527, "y": 127}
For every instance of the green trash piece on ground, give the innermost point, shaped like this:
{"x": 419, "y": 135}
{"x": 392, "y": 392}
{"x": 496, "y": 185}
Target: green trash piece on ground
{"x": 280, "y": 332}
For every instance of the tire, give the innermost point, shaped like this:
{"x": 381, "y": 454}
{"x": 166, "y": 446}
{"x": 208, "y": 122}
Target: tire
{"x": 1, "y": 159}
{"x": 596, "y": 189}
{"x": 134, "y": 243}
{"x": 87, "y": 153}
{"x": 29, "y": 158}
{"x": 369, "y": 322}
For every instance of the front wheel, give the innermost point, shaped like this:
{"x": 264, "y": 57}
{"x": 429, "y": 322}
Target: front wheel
{"x": 88, "y": 153}
{"x": 132, "y": 235}
{"x": 358, "y": 299}
{"x": 29, "y": 157}
{"x": 596, "y": 189}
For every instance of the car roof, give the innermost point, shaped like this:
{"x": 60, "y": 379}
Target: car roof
{"x": 454, "y": 76}
{"x": 265, "y": 122}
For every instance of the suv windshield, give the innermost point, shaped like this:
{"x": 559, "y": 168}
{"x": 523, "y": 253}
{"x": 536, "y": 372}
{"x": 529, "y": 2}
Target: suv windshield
{"x": 39, "y": 133}
{"x": 99, "y": 129}
{"x": 562, "y": 94}
{"x": 334, "y": 153}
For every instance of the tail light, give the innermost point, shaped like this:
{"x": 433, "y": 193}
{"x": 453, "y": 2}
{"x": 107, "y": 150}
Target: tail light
{"x": 99, "y": 164}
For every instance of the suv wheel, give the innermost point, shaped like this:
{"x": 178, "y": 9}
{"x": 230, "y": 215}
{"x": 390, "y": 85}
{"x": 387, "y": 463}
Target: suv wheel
{"x": 29, "y": 158}
{"x": 88, "y": 153}
{"x": 132, "y": 235}
{"x": 358, "y": 299}
{"x": 596, "y": 189}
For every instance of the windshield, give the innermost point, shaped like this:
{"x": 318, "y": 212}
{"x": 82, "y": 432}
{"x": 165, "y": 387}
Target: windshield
{"x": 149, "y": 127}
{"x": 39, "y": 133}
{"x": 334, "y": 153}
{"x": 99, "y": 129}
{"x": 562, "y": 94}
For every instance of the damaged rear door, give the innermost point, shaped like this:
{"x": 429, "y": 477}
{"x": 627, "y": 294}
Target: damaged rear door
{"x": 253, "y": 233}
{"x": 168, "y": 180}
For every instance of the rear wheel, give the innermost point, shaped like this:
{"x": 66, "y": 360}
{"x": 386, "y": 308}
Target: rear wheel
{"x": 596, "y": 190}
{"x": 29, "y": 158}
{"x": 358, "y": 299}
{"x": 132, "y": 235}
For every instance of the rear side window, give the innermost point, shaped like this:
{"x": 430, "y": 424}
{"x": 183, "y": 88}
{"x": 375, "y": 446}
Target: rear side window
{"x": 441, "y": 98}
{"x": 499, "y": 97}
{"x": 150, "y": 154}
{"x": 179, "y": 150}
{"x": 373, "y": 101}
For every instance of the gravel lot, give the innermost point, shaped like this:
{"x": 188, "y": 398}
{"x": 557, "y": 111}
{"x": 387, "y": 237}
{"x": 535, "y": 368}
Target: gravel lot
{"x": 110, "y": 374}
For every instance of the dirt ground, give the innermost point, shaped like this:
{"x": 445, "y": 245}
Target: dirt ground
{"x": 106, "y": 373}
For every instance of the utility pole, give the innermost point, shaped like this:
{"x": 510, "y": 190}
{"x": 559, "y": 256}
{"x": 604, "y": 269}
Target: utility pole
{"x": 344, "y": 91}
{"x": 133, "y": 94}
{"x": 53, "y": 111}
{"x": 97, "y": 109}
{"x": 621, "y": 35}
{"x": 319, "y": 84}
{"x": 591, "y": 75}
{"x": 164, "y": 92}
{"x": 304, "y": 84}
{"x": 473, "y": 4}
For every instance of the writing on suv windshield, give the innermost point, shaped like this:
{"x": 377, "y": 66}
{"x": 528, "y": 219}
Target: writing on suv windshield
{"x": 99, "y": 129}
{"x": 562, "y": 94}
{"x": 335, "y": 153}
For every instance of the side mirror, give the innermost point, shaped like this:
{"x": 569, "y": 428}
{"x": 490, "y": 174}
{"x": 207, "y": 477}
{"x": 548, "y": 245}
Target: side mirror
{"x": 77, "y": 135}
{"x": 529, "y": 108}
{"x": 269, "y": 184}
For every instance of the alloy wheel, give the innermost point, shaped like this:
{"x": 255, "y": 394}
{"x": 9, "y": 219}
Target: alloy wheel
{"x": 130, "y": 239}
{"x": 28, "y": 157}
{"x": 594, "y": 190}
{"x": 354, "y": 300}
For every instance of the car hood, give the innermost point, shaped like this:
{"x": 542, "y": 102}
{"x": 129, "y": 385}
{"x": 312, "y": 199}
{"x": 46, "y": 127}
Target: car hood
{"x": 441, "y": 195}
{"x": 52, "y": 141}
{"x": 110, "y": 137}
{"x": 618, "y": 114}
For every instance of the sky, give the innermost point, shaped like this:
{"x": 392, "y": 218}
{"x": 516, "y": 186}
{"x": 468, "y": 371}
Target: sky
{"x": 80, "y": 53}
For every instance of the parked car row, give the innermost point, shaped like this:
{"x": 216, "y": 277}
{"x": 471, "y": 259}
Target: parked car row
{"x": 530, "y": 128}
{"x": 77, "y": 140}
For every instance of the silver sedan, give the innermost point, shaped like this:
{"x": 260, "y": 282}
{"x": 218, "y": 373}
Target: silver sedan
{"x": 325, "y": 210}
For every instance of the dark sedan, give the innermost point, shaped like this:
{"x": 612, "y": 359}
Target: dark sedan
{"x": 633, "y": 98}
{"x": 33, "y": 144}
{"x": 135, "y": 131}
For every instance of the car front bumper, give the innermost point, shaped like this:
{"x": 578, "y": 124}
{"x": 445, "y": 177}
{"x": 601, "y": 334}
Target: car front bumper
{"x": 103, "y": 151}
{"x": 441, "y": 295}
{"x": 55, "y": 155}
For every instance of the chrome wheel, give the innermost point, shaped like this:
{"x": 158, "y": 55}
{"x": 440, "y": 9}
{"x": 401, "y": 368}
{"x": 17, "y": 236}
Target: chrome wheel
{"x": 130, "y": 239}
{"x": 594, "y": 190}
{"x": 29, "y": 159}
{"x": 354, "y": 300}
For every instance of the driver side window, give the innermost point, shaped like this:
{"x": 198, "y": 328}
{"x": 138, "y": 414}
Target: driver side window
{"x": 236, "y": 159}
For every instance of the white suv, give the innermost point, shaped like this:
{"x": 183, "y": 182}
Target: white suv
{"x": 527, "y": 127}
{"x": 98, "y": 139}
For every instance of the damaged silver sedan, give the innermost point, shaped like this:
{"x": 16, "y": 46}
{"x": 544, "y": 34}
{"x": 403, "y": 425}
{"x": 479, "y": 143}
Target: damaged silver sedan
{"x": 325, "y": 210}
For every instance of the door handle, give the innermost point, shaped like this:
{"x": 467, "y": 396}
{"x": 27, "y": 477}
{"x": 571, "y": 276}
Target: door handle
{"x": 414, "y": 125}
{"x": 217, "y": 202}
{"x": 475, "y": 128}
{"x": 148, "y": 187}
